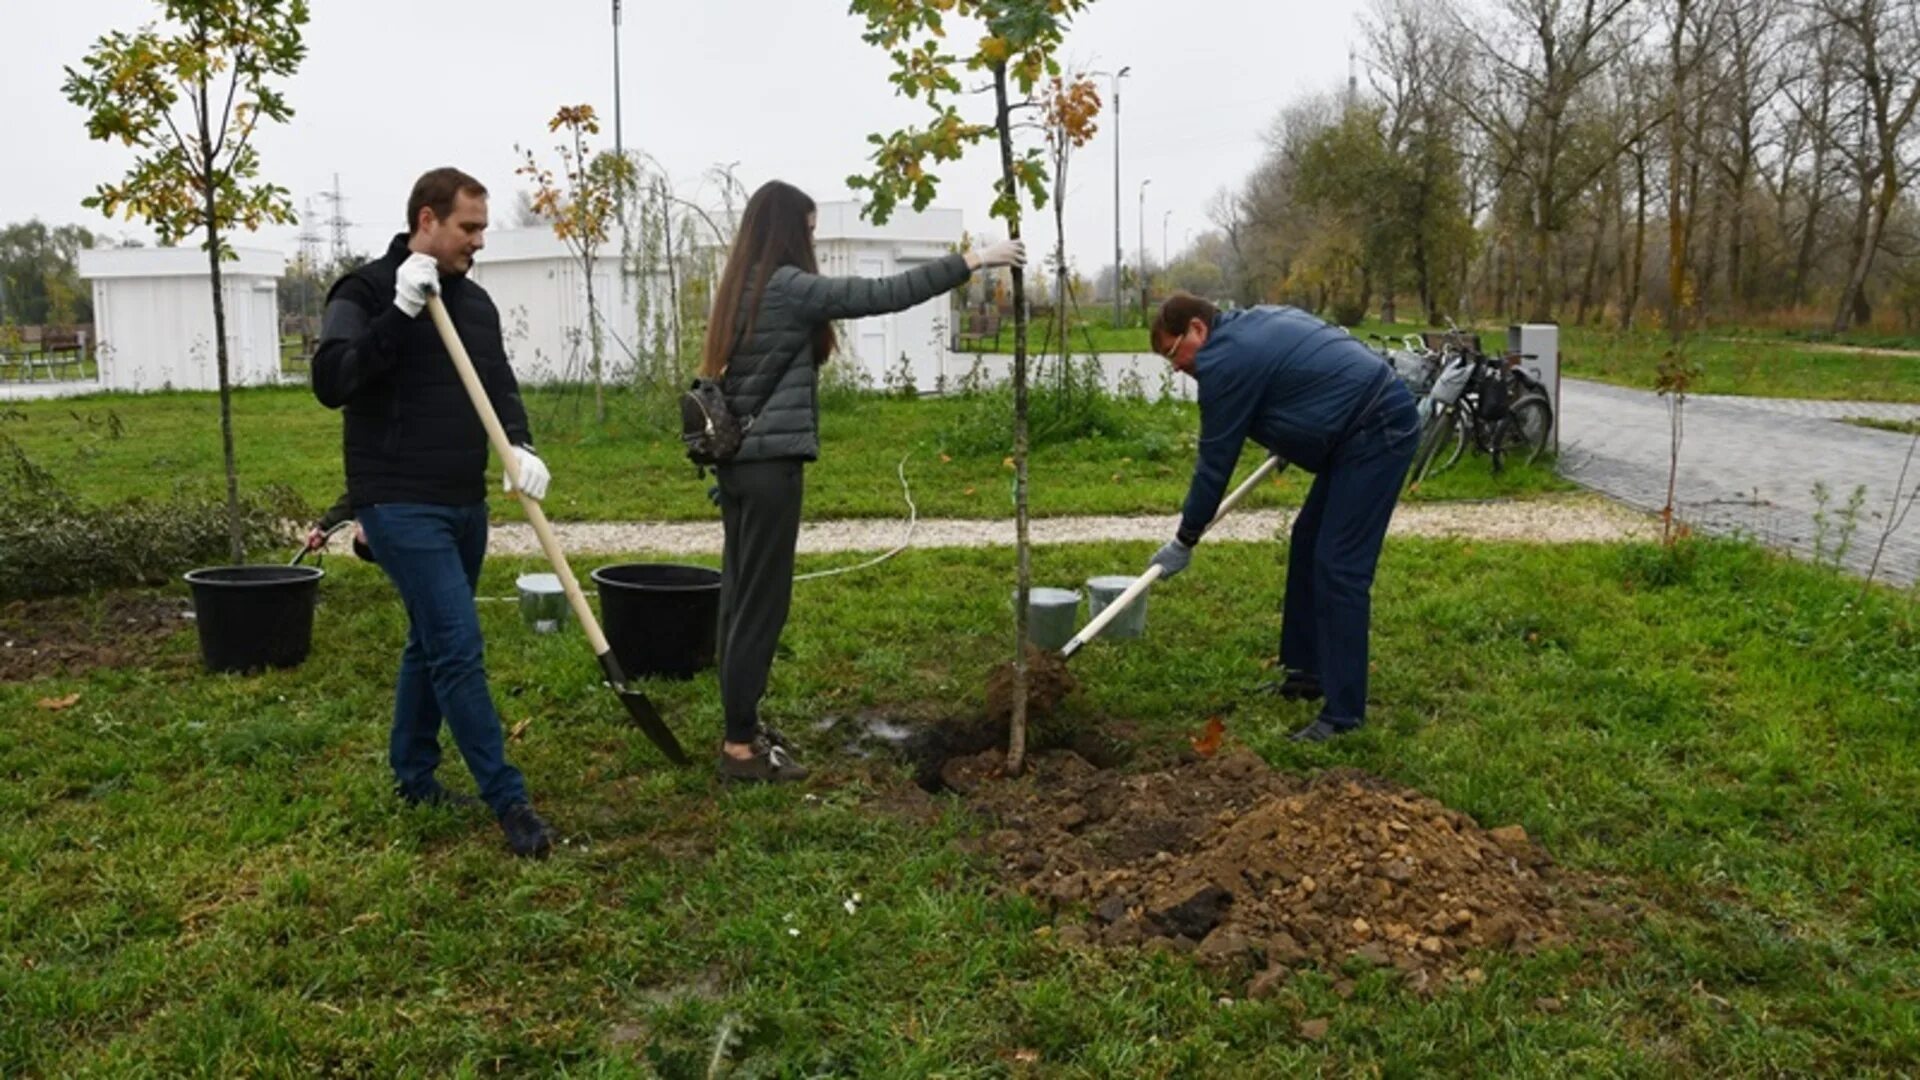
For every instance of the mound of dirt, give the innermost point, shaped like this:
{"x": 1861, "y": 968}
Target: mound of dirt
{"x": 1048, "y": 684}
{"x": 73, "y": 635}
{"x": 1259, "y": 872}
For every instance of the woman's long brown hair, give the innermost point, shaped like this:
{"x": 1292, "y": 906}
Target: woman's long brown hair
{"x": 773, "y": 233}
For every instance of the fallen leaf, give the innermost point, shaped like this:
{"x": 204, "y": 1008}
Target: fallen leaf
{"x": 55, "y": 704}
{"x": 1207, "y": 743}
{"x": 969, "y": 491}
{"x": 519, "y": 729}
{"x": 945, "y": 458}
{"x": 1026, "y": 1057}
{"x": 1008, "y": 461}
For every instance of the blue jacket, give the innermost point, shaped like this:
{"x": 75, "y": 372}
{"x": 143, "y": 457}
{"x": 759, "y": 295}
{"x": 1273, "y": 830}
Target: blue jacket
{"x": 1284, "y": 379}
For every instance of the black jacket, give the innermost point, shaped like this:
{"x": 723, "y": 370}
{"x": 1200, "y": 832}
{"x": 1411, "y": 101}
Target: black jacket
{"x": 411, "y": 434}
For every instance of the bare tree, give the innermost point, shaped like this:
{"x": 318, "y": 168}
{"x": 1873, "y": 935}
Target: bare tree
{"x": 1882, "y": 59}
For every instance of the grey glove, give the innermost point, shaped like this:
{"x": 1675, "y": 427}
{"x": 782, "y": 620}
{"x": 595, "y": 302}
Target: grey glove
{"x": 1172, "y": 558}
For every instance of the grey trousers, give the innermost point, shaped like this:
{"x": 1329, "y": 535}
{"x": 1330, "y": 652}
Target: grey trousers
{"x": 760, "y": 512}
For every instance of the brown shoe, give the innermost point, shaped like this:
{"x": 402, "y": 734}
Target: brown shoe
{"x": 770, "y": 764}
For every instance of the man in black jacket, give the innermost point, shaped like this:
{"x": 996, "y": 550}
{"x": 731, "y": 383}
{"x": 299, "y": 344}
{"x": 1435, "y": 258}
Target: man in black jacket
{"x": 416, "y": 459}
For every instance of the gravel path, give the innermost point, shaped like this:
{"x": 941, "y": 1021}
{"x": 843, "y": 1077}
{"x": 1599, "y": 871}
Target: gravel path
{"x": 1561, "y": 519}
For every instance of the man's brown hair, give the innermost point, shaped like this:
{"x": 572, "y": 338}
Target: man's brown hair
{"x": 436, "y": 190}
{"x": 1178, "y": 313}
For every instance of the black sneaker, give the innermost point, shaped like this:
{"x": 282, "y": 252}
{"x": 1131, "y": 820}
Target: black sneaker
{"x": 1297, "y": 686}
{"x": 527, "y": 834}
{"x": 1318, "y": 731}
{"x": 435, "y": 797}
{"x": 770, "y": 764}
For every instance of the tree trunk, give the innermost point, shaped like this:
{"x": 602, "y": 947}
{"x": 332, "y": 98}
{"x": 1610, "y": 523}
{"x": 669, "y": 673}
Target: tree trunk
{"x": 1023, "y": 572}
{"x": 1859, "y": 257}
{"x": 594, "y": 342}
{"x": 236, "y": 542}
{"x": 673, "y": 283}
{"x": 1632, "y": 299}
{"x": 1542, "y": 310}
{"x": 1593, "y": 260}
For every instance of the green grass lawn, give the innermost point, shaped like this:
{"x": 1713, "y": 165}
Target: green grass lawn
{"x": 111, "y": 447}
{"x": 1898, "y": 427}
{"x": 1088, "y": 333}
{"x": 1757, "y": 364}
{"x": 206, "y": 875}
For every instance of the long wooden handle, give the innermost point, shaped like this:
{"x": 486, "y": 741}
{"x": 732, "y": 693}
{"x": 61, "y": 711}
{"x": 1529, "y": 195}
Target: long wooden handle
{"x": 1145, "y": 581}
{"x": 1112, "y": 611}
{"x": 497, "y": 435}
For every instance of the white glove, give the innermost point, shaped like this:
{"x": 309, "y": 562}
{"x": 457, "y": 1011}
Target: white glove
{"x": 534, "y": 476}
{"x": 417, "y": 277}
{"x": 1004, "y": 253}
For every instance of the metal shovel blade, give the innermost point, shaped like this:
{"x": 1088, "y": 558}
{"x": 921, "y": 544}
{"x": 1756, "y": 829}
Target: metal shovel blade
{"x": 645, "y": 716}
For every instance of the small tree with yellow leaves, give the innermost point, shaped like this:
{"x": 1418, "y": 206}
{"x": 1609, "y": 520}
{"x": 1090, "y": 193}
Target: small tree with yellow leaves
{"x": 1016, "y": 53}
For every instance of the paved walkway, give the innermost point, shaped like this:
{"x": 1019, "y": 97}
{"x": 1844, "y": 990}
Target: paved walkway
{"x": 1750, "y": 466}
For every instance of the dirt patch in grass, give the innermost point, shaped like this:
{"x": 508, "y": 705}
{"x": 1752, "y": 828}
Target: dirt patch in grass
{"x": 72, "y": 635}
{"x": 1261, "y": 872}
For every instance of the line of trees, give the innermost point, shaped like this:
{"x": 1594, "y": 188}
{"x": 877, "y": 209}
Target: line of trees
{"x": 1628, "y": 162}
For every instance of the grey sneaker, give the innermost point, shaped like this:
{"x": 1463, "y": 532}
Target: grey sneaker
{"x": 1319, "y": 731}
{"x": 771, "y": 763}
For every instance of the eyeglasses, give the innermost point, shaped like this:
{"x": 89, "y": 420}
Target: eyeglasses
{"x": 1174, "y": 346}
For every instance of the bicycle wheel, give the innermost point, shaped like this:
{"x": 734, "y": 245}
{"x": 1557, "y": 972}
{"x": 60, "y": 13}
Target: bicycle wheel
{"x": 1463, "y": 436}
{"x": 1528, "y": 425}
{"x": 1441, "y": 427}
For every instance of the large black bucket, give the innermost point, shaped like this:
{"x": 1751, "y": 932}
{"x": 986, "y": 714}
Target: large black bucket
{"x": 660, "y": 618}
{"x": 254, "y": 617}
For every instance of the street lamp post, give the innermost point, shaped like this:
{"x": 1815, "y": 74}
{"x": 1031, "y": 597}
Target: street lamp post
{"x": 618, "y": 149}
{"x": 1121, "y": 74}
{"x": 1141, "y": 223}
{"x": 1164, "y": 218}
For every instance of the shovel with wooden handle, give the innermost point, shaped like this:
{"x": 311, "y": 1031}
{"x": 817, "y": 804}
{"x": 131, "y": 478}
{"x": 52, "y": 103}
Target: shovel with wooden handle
{"x": 1145, "y": 581}
{"x": 639, "y": 706}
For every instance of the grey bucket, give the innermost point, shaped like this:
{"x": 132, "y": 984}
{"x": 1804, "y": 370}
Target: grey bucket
{"x": 1051, "y": 615}
{"x": 543, "y": 603}
{"x": 1102, "y": 591}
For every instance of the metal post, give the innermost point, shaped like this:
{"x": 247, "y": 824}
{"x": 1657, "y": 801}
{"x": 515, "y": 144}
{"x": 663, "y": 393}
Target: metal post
{"x": 1116, "y": 201}
{"x": 1141, "y": 223}
{"x": 619, "y": 150}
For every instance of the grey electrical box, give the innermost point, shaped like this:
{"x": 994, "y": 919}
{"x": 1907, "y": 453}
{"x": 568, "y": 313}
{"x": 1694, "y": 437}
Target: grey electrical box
{"x": 1540, "y": 343}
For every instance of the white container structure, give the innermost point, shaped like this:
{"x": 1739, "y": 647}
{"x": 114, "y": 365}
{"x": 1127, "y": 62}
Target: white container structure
{"x": 847, "y": 244}
{"x": 153, "y": 317}
{"x": 539, "y": 286}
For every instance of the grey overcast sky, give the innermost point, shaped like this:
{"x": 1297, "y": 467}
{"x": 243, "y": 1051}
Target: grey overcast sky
{"x": 786, "y": 88}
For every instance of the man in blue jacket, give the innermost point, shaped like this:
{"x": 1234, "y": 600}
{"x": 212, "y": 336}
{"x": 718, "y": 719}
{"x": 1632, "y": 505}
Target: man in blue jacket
{"x": 1310, "y": 393}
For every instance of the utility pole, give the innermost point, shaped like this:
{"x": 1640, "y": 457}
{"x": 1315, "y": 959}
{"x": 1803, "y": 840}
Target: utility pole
{"x": 338, "y": 223}
{"x": 1117, "y": 314}
{"x": 1164, "y": 218}
{"x": 618, "y": 147}
{"x": 1141, "y": 223}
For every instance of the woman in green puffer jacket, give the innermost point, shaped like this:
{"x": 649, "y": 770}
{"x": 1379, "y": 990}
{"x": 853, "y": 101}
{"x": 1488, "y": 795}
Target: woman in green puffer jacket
{"x": 772, "y": 328}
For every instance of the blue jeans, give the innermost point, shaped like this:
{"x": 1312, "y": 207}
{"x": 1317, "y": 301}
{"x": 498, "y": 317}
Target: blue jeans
{"x": 1335, "y": 550}
{"x": 432, "y": 554}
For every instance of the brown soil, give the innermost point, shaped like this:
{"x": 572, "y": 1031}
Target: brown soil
{"x": 71, "y": 635}
{"x": 1259, "y": 872}
{"x": 1048, "y": 684}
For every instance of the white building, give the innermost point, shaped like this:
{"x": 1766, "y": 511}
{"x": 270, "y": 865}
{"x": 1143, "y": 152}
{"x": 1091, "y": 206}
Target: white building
{"x": 538, "y": 285}
{"x": 153, "y": 317}
{"x": 847, "y": 244}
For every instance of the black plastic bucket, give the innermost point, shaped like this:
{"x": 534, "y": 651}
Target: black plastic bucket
{"x": 660, "y": 618}
{"x": 254, "y": 617}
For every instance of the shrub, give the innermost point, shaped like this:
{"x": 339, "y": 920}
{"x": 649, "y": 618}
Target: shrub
{"x": 51, "y": 542}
